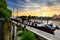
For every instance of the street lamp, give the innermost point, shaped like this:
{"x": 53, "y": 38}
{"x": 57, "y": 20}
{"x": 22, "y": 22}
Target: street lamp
{"x": 13, "y": 12}
{"x": 17, "y": 12}
{"x": 41, "y": 16}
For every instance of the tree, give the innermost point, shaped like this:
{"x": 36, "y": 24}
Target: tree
{"x": 4, "y": 11}
{"x": 23, "y": 17}
{"x": 29, "y": 17}
{"x": 3, "y": 4}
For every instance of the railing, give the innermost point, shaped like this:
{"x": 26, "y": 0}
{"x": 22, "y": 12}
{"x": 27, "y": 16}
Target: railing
{"x": 39, "y": 32}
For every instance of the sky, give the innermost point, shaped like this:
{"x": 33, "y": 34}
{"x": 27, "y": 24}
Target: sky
{"x": 34, "y": 7}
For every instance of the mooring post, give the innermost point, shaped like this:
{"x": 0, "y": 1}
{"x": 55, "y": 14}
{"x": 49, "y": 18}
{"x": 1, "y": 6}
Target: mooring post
{"x": 24, "y": 27}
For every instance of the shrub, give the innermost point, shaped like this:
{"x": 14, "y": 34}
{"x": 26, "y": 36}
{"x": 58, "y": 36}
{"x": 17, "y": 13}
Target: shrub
{"x": 25, "y": 34}
{"x": 21, "y": 33}
{"x": 28, "y": 35}
{"x": 20, "y": 28}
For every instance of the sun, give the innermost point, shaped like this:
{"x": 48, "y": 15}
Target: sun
{"x": 43, "y": 14}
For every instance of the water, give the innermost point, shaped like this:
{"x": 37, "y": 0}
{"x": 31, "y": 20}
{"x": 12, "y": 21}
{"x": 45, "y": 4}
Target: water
{"x": 57, "y": 32}
{"x": 50, "y": 21}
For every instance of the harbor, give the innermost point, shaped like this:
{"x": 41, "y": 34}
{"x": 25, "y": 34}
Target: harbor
{"x": 56, "y": 32}
{"x": 29, "y": 19}
{"x": 38, "y": 32}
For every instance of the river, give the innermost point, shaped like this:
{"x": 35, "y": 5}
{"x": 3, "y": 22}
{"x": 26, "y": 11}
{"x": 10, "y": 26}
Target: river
{"x": 57, "y": 32}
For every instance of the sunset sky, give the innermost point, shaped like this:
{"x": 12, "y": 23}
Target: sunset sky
{"x": 34, "y": 7}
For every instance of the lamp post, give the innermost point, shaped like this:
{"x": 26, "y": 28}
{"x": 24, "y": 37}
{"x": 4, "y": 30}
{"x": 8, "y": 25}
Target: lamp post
{"x": 15, "y": 28}
{"x": 41, "y": 16}
{"x": 17, "y": 12}
{"x": 13, "y": 13}
{"x": 12, "y": 27}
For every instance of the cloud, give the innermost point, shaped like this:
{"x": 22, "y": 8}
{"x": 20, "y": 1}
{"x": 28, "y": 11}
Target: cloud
{"x": 46, "y": 2}
{"x": 26, "y": 7}
{"x": 52, "y": 2}
{"x": 28, "y": 0}
{"x": 40, "y": 2}
{"x": 49, "y": 3}
{"x": 32, "y": 4}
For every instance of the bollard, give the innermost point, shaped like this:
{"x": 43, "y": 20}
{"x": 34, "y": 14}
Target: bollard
{"x": 24, "y": 27}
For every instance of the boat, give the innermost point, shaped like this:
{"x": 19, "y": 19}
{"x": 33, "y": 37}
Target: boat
{"x": 48, "y": 28}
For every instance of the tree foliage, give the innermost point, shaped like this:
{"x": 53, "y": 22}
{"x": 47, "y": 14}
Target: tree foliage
{"x": 23, "y": 17}
{"x": 4, "y": 11}
{"x": 29, "y": 17}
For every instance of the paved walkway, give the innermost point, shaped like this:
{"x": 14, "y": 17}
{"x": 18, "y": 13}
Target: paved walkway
{"x": 57, "y": 33}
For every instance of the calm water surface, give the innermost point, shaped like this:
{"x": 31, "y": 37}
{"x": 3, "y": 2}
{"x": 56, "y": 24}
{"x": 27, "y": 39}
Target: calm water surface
{"x": 57, "y": 32}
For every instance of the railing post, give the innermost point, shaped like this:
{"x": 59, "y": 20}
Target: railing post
{"x": 14, "y": 32}
{"x": 11, "y": 32}
{"x": 2, "y": 29}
